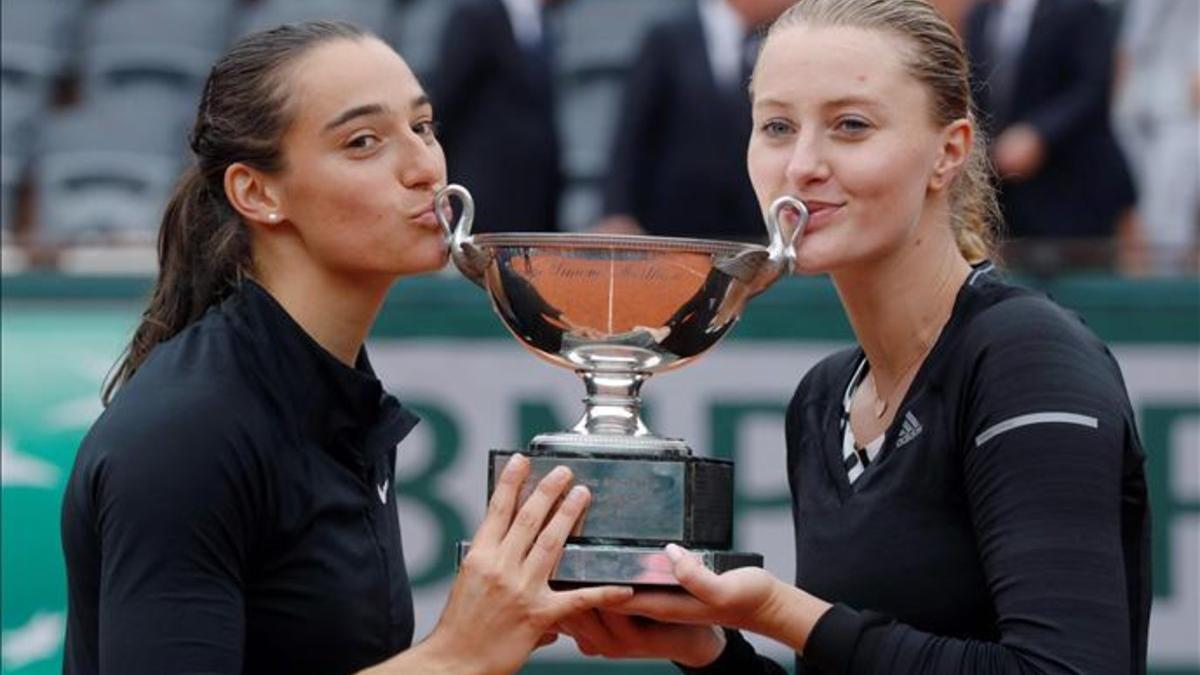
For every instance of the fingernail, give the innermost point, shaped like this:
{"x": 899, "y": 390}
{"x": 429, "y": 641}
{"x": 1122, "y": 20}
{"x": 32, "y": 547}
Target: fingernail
{"x": 559, "y": 474}
{"x": 516, "y": 461}
{"x": 674, "y": 552}
{"x": 578, "y": 493}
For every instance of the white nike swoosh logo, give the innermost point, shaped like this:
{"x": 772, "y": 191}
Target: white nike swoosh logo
{"x": 382, "y": 489}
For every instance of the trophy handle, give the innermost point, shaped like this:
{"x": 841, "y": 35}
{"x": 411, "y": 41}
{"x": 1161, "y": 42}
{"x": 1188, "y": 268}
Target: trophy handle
{"x": 779, "y": 250}
{"x": 467, "y": 257}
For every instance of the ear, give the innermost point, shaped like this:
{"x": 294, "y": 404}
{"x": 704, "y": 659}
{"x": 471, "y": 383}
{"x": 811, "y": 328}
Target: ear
{"x": 253, "y": 194}
{"x": 957, "y": 139}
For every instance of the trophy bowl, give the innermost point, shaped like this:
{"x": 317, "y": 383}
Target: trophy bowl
{"x": 617, "y": 309}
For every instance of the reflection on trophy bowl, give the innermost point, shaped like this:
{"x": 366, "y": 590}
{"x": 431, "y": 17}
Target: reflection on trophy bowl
{"x": 614, "y": 303}
{"x": 616, "y": 308}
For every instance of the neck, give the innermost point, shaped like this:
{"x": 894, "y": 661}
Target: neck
{"x": 897, "y": 306}
{"x": 337, "y": 312}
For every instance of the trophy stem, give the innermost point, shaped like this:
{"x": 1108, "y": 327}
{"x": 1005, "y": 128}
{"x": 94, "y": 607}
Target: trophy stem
{"x": 613, "y": 404}
{"x": 612, "y": 420}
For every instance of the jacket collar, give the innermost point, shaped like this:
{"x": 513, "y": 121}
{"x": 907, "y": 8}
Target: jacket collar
{"x": 325, "y": 397}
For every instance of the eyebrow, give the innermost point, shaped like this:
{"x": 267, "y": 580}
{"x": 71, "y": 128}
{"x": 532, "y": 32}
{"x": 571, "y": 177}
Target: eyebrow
{"x": 851, "y": 100}
{"x": 354, "y": 113}
{"x": 836, "y": 103}
{"x": 372, "y": 109}
{"x": 771, "y": 103}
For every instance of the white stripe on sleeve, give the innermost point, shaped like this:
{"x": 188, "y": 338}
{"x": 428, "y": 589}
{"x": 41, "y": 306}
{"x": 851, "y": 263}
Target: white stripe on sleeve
{"x": 1035, "y": 418}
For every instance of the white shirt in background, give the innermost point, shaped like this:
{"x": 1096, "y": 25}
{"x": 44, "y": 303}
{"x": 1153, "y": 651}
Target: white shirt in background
{"x": 724, "y": 31}
{"x": 526, "y": 19}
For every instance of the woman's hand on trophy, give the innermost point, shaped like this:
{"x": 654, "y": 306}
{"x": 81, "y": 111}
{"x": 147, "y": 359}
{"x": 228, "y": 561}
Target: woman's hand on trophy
{"x": 501, "y": 595}
{"x": 618, "y": 636}
{"x": 737, "y": 598}
{"x": 748, "y": 597}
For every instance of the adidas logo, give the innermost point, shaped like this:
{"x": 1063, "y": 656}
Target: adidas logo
{"x": 909, "y": 430}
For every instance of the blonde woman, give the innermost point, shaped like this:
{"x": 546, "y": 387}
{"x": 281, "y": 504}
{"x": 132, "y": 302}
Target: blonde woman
{"x": 967, "y": 481}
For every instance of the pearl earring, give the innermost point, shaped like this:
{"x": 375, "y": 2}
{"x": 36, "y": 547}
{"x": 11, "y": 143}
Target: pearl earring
{"x": 273, "y": 217}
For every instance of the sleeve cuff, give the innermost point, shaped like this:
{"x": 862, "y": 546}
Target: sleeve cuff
{"x": 737, "y": 657}
{"x": 832, "y": 641}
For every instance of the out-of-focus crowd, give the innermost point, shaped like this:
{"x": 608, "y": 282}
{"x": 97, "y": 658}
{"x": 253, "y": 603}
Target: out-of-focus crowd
{"x": 609, "y": 115}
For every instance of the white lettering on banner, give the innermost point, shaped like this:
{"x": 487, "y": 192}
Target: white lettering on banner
{"x": 38, "y": 639}
{"x": 1175, "y": 620}
{"x": 23, "y": 469}
{"x": 480, "y": 385}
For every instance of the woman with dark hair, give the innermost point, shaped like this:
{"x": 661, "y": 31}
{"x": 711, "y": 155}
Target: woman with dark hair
{"x": 231, "y": 510}
{"x": 967, "y": 482}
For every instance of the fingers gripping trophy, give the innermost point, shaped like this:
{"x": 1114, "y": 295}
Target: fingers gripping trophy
{"x": 617, "y": 309}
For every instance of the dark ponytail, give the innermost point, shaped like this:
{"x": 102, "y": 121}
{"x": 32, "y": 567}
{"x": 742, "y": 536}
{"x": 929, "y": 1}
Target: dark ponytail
{"x": 203, "y": 245}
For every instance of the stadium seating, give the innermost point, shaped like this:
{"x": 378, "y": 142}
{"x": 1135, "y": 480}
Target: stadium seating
{"x": 596, "y": 43}
{"x": 416, "y": 32}
{"x": 103, "y": 170}
{"x": 587, "y": 115}
{"x": 37, "y": 38}
{"x": 19, "y": 107}
{"x": 601, "y": 37}
{"x": 172, "y": 43}
{"x": 102, "y": 166}
{"x": 370, "y": 14}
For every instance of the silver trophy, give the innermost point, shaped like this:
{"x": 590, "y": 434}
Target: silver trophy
{"x": 617, "y": 309}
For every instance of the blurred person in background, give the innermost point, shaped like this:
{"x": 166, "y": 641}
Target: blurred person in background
{"x": 493, "y": 88}
{"x": 1158, "y": 122}
{"x": 677, "y": 165}
{"x": 1042, "y": 72}
{"x": 232, "y": 509}
{"x": 967, "y": 483}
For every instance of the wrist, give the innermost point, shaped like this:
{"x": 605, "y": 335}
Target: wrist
{"x": 790, "y": 615}
{"x": 438, "y": 654}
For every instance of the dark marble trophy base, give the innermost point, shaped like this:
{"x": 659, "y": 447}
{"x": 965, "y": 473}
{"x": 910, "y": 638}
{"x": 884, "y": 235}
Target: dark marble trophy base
{"x": 585, "y": 564}
{"x": 640, "y": 503}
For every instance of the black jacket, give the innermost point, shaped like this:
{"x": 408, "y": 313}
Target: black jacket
{"x": 1061, "y": 87}
{"x": 678, "y": 163}
{"x": 232, "y": 510}
{"x": 493, "y": 100}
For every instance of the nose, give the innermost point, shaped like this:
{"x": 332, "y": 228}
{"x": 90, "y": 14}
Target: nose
{"x": 423, "y": 165}
{"x": 807, "y": 164}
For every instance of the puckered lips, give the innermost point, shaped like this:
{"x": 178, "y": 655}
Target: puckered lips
{"x": 424, "y": 216}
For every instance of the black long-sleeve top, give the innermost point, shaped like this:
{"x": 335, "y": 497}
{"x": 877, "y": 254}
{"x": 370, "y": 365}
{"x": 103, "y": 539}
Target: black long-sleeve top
{"x": 1004, "y": 526}
{"x": 232, "y": 510}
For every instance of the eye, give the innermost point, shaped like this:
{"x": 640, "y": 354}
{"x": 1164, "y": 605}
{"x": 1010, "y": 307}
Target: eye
{"x": 363, "y": 141}
{"x": 851, "y": 126}
{"x": 775, "y": 128}
{"x": 425, "y": 129}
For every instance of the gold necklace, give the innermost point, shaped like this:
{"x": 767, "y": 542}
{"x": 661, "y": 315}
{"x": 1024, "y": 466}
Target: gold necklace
{"x": 880, "y": 405}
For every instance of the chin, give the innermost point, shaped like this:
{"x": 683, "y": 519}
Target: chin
{"x": 830, "y": 251}
{"x": 815, "y": 259}
{"x": 426, "y": 264}
{"x": 422, "y": 256}
{"x": 807, "y": 269}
